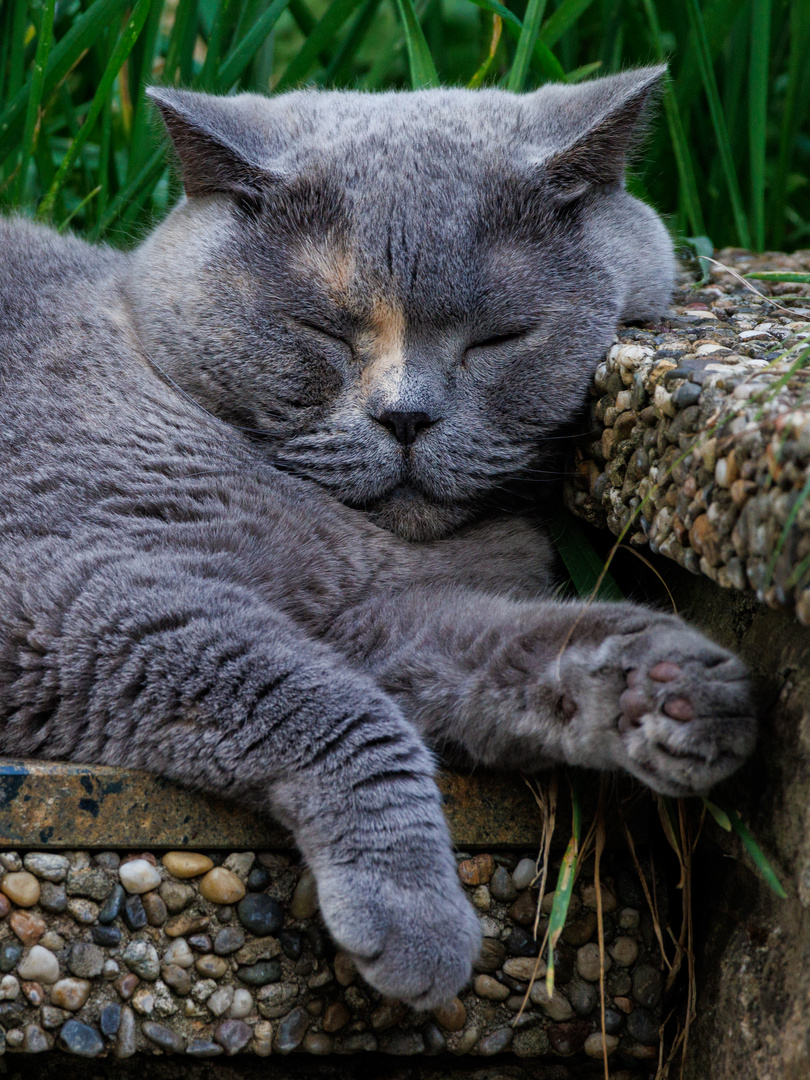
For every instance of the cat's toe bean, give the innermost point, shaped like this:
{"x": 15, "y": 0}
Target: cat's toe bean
{"x": 679, "y": 709}
{"x": 665, "y": 672}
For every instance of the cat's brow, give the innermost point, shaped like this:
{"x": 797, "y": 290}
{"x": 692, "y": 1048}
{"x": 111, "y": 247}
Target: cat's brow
{"x": 332, "y": 266}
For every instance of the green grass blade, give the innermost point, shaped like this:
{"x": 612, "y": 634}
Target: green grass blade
{"x": 755, "y": 851}
{"x": 796, "y": 276}
{"x": 240, "y": 57}
{"x": 35, "y": 94}
{"x": 63, "y": 56}
{"x": 423, "y": 70}
{"x": 186, "y": 10}
{"x": 561, "y": 21}
{"x": 146, "y": 49}
{"x": 795, "y": 107}
{"x": 720, "y": 816}
{"x": 216, "y": 43}
{"x": 719, "y": 123}
{"x": 583, "y": 564}
{"x": 564, "y": 888}
{"x": 585, "y": 72}
{"x": 758, "y": 113}
{"x": 528, "y": 37}
{"x": 498, "y": 9}
{"x": 119, "y": 54}
{"x": 16, "y": 61}
{"x": 76, "y": 209}
{"x": 341, "y": 63}
{"x": 322, "y": 35}
{"x": 542, "y": 58}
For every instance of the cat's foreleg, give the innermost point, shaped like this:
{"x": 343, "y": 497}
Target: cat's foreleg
{"x": 148, "y": 662}
{"x": 526, "y": 684}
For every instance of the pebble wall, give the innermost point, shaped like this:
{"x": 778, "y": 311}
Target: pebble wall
{"x": 700, "y": 436}
{"x": 204, "y": 955}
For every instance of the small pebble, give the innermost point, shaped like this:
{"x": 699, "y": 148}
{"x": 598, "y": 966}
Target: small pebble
{"x": 186, "y": 864}
{"x": 28, "y": 927}
{"x": 502, "y": 885}
{"x": 242, "y": 1004}
{"x": 40, "y": 964}
{"x": 345, "y": 971}
{"x": 126, "y": 986}
{"x": 111, "y": 908}
{"x": 524, "y": 873}
{"x": 524, "y": 968}
{"x": 262, "y": 1044}
{"x": 491, "y": 956}
{"x": 125, "y": 1041}
{"x": 292, "y": 944}
{"x": 11, "y": 861}
{"x": 5, "y": 905}
{"x": 337, "y": 1016}
{"x": 228, "y": 940}
{"x": 34, "y": 993}
{"x": 200, "y": 943}
{"x": 81, "y": 1039}
{"x": 305, "y": 898}
{"x": 212, "y": 967}
{"x": 15, "y": 1038}
{"x": 260, "y": 974}
{"x": 222, "y": 886}
{"x": 179, "y": 953}
{"x": 487, "y": 987}
{"x": 260, "y": 914}
{"x": 583, "y": 996}
{"x": 452, "y": 1016}
{"x": 220, "y": 1000}
{"x": 47, "y": 866}
{"x": 202, "y": 991}
{"x": 155, "y": 908}
{"x": 170, "y": 1041}
{"x": 624, "y": 951}
{"x": 175, "y": 896}
{"x": 316, "y": 1042}
{"x": 557, "y": 1007}
{"x": 52, "y": 1017}
{"x": 10, "y": 953}
{"x": 134, "y": 912}
{"x": 106, "y": 935}
{"x": 476, "y": 871}
{"x": 496, "y": 1043}
{"x": 85, "y": 912}
{"x": 628, "y": 919}
{"x": 481, "y": 898}
{"x": 186, "y": 923}
{"x": 291, "y": 1031}
{"x": 435, "y": 1042}
{"x": 233, "y": 1035}
{"x": 92, "y": 882}
{"x": 139, "y": 876}
{"x": 179, "y": 979}
{"x": 85, "y": 960}
{"x": 35, "y": 1040}
{"x": 142, "y": 959}
{"x": 70, "y": 994}
{"x": 524, "y": 909}
{"x": 258, "y": 879}
{"x": 588, "y": 962}
{"x": 648, "y": 982}
{"x": 204, "y": 1048}
{"x": 595, "y": 1045}
{"x": 642, "y": 1027}
{"x": 110, "y": 1019}
{"x": 9, "y": 988}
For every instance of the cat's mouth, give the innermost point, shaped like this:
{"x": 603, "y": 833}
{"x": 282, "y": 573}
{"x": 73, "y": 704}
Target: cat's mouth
{"x": 410, "y": 513}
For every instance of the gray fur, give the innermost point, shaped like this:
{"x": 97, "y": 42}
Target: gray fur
{"x": 221, "y": 559}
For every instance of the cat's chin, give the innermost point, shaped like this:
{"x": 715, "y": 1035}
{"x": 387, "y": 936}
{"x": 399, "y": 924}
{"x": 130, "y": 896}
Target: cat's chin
{"x": 408, "y": 514}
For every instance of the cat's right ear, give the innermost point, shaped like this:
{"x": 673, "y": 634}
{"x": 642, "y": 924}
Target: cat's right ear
{"x": 218, "y": 147}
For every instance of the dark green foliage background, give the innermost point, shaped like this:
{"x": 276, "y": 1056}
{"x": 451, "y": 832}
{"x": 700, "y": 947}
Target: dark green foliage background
{"x": 728, "y": 159}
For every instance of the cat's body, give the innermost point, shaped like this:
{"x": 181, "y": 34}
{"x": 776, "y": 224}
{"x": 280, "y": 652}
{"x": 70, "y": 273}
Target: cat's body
{"x": 277, "y": 615}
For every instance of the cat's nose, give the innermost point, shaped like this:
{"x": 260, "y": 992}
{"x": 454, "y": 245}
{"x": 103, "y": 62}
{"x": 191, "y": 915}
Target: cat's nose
{"x": 404, "y": 426}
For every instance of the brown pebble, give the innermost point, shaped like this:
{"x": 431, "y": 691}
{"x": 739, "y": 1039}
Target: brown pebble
{"x": 609, "y": 901}
{"x": 452, "y": 1016}
{"x": 28, "y": 928}
{"x": 126, "y": 986}
{"x": 34, "y": 993}
{"x": 524, "y": 968}
{"x": 21, "y": 887}
{"x": 487, "y": 987}
{"x": 336, "y": 1017}
{"x": 345, "y": 970}
{"x": 524, "y": 909}
{"x": 580, "y": 930}
{"x": 315, "y": 1042}
{"x": 181, "y": 925}
{"x": 156, "y": 911}
{"x": 222, "y": 886}
{"x": 186, "y": 864}
{"x": 477, "y": 870}
{"x": 5, "y": 905}
{"x": 491, "y": 956}
{"x": 70, "y": 993}
{"x": 212, "y": 967}
{"x": 624, "y": 1003}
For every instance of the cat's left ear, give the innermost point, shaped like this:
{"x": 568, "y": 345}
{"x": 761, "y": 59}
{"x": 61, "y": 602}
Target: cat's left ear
{"x": 217, "y": 141}
{"x": 589, "y": 131}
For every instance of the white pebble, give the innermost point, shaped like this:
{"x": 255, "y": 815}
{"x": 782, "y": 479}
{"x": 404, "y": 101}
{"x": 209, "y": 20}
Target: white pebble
{"x": 179, "y": 953}
{"x": 9, "y": 988}
{"x": 203, "y": 990}
{"x": 242, "y": 1004}
{"x": 220, "y": 1000}
{"x": 524, "y": 873}
{"x": 40, "y": 965}
{"x": 139, "y": 876}
{"x": 47, "y": 866}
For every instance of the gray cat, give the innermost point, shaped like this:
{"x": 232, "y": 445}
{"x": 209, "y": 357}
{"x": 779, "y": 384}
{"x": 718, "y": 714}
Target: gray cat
{"x": 251, "y": 472}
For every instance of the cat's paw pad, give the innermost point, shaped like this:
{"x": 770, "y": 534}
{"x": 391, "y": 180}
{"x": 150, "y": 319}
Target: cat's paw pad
{"x": 415, "y": 944}
{"x": 686, "y": 718}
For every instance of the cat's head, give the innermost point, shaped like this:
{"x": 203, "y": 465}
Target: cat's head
{"x": 406, "y": 293}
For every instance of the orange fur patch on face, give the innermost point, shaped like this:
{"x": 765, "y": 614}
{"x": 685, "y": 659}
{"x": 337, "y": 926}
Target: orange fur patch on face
{"x": 333, "y": 266}
{"x": 383, "y": 346}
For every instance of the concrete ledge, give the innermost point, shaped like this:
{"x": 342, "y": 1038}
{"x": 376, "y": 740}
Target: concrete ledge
{"x": 700, "y": 441}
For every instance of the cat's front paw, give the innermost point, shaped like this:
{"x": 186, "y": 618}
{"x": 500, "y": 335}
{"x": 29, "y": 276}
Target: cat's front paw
{"x": 679, "y": 706}
{"x": 415, "y": 940}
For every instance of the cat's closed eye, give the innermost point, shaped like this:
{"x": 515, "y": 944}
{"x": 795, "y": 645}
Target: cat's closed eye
{"x": 331, "y": 334}
{"x": 496, "y": 340}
